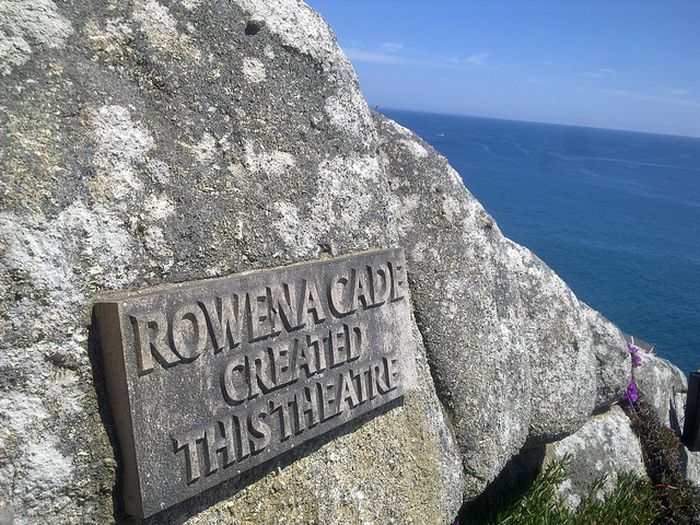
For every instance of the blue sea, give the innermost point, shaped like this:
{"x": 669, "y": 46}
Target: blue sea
{"x": 616, "y": 214}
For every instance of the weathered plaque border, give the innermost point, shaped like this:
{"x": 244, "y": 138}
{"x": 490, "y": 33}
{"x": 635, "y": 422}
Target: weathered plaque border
{"x": 374, "y": 352}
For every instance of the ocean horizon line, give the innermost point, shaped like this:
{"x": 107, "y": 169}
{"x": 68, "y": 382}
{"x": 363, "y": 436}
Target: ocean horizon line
{"x": 379, "y": 108}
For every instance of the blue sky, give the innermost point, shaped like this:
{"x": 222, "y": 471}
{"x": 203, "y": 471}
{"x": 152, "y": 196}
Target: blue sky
{"x": 613, "y": 64}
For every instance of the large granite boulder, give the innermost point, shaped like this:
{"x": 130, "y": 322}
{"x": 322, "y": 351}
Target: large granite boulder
{"x": 146, "y": 143}
{"x": 663, "y": 385}
{"x": 516, "y": 358}
{"x": 149, "y": 142}
{"x": 606, "y": 445}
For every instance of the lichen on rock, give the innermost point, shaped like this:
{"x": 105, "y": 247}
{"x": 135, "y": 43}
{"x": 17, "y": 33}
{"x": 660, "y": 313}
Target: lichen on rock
{"x": 25, "y": 24}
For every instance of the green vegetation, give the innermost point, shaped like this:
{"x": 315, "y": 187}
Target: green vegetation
{"x": 665, "y": 497}
{"x": 661, "y": 449}
{"x": 632, "y": 501}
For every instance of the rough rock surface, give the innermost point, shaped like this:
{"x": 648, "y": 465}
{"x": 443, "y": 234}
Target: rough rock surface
{"x": 147, "y": 142}
{"x": 516, "y": 357}
{"x": 690, "y": 464}
{"x": 605, "y": 445}
{"x": 663, "y": 385}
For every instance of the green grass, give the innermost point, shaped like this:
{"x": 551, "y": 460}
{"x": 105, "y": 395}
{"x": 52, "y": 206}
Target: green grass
{"x": 664, "y": 497}
{"x": 632, "y": 501}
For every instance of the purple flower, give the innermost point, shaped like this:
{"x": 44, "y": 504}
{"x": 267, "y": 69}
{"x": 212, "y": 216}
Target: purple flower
{"x": 632, "y": 394}
{"x": 634, "y": 352}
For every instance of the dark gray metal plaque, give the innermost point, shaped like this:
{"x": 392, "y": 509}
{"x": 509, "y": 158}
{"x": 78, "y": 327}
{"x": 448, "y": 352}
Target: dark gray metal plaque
{"x": 210, "y": 378}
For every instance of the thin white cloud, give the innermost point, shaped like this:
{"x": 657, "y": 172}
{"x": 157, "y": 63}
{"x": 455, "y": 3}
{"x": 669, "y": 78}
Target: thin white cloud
{"x": 547, "y": 63}
{"x": 373, "y": 57}
{"x": 392, "y": 47}
{"x": 478, "y": 59}
{"x": 601, "y": 72}
{"x": 647, "y": 97}
{"x": 675, "y": 92}
{"x": 357, "y": 54}
{"x": 545, "y": 81}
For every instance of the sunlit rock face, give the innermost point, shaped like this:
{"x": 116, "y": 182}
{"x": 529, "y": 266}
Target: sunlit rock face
{"x": 147, "y": 143}
{"x": 605, "y": 446}
{"x": 516, "y": 358}
{"x": 663, "y": 386}
{"x": 151, "y": 142}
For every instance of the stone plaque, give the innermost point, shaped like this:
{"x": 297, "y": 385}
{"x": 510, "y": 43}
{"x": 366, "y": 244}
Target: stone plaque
{"x": 207, "y": 379}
